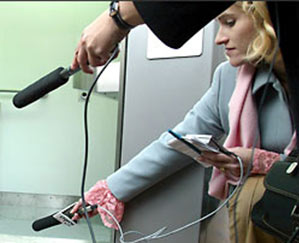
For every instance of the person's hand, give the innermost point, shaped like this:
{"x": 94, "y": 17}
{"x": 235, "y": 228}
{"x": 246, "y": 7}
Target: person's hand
{"x": 228, "y": 164}
{"x": 78, "y": 206}
{"x": 99, "y": 39}
{"x": 97, "y": 42}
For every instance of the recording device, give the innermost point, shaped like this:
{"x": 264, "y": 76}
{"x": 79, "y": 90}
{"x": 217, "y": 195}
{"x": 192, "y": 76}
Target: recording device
{"x": 63, "y": 216}
{"x": 43, "y": 86}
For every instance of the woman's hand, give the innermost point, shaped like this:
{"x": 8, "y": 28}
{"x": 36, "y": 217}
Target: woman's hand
{"x": 228, "y": 164}
{"x": 79, "y": 213}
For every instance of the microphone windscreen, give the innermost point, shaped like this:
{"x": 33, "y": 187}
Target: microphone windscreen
{"x": 39, "y": 88}
{"x": 44, "y": 223}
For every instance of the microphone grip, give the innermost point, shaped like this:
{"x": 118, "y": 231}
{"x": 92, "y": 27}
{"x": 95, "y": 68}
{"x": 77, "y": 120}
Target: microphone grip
{"x": 61, "y": 217}
{"x": 44, "y": 223}
{"x": 39, "y": 88}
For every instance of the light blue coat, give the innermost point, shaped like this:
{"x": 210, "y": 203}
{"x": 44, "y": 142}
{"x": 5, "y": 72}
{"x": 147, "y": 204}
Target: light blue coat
{"x": 208, "y": 116}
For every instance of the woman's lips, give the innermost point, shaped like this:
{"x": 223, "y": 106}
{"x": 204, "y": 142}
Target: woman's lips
{"x": 229, "y": 51}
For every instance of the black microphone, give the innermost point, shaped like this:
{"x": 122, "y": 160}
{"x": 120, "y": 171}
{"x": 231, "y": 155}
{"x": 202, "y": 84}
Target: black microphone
{"x": 61, "y": 217}
{"x": 45, "y": 222}
{"x": 43, "y": 86}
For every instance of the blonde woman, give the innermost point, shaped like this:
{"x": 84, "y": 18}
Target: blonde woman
{"x": 229, "y": 108}
{"x": 250, "y": 45}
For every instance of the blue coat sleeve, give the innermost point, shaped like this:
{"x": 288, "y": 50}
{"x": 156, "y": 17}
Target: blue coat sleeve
{"x": 158, "y": 160}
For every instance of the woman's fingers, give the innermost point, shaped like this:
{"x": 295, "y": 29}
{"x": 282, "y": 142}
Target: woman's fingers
{"x": 75, "y": 209}
{"x": 226, "y": 164}
{"x": 78, "y": 211}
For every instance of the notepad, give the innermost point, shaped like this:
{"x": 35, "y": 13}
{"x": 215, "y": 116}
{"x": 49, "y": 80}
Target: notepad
{"x": 202, "y": 142}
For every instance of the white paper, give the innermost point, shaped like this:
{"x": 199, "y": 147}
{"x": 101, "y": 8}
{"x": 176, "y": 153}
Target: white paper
{"x": 203, "y": 142}
{"x": 157, "y": 49}
{"x": 109, "y": 80}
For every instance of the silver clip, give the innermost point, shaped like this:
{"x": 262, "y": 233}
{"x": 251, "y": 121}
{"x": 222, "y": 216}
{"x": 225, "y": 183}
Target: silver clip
{"x": 292, "y": 167}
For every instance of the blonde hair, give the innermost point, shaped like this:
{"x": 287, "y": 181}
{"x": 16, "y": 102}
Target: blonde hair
{"x": 262, "y": 48}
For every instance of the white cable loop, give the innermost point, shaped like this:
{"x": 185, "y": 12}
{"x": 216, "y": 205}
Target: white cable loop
{"x": 158, "y": 234}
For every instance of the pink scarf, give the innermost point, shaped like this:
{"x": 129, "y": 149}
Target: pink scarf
{"x": 243, "y": 128}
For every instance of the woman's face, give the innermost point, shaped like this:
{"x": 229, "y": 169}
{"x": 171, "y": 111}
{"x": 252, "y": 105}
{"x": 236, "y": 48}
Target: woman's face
{"x": 236, "y": 31}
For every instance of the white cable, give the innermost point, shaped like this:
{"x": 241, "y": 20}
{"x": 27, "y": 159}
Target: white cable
{"x": 158, "y": 234}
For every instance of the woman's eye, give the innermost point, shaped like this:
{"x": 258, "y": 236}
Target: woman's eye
{"x": 230, "y": 22}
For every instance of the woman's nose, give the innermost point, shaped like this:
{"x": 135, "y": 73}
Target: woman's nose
{"x": 221, "y": 38}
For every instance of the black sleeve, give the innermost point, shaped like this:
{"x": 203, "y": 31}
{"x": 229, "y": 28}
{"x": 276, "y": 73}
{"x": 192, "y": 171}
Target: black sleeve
{"x": 175, "y": 22}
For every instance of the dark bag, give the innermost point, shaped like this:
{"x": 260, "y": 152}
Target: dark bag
{"x": 278, "y": 211}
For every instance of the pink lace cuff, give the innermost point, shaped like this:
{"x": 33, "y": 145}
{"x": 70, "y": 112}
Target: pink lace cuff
{"x": 101, "y": 195}
{"x": 219, "y": 183}
{"x": 263, "y": 160}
